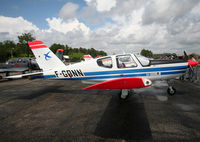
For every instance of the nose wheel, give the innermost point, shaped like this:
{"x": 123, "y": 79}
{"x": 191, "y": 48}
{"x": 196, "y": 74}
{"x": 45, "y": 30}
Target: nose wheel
{"x": 125, "y": 94}
{"x": 171, "y": 90}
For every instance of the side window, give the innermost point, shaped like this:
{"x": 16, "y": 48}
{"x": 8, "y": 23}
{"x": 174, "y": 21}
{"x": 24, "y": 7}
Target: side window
{"x": 125, "y": 61}
{"x": 143, "y": 60}
{"x": 105, "y": 62}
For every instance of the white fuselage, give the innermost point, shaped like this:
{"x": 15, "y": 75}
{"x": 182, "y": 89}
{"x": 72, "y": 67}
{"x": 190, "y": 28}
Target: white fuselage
{"x": 107, "y": 68}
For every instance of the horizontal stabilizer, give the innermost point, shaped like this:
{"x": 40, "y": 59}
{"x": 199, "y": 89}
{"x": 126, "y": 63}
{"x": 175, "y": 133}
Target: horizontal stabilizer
{"x": 23, "y": 75}
{"x": 122, "y": 83}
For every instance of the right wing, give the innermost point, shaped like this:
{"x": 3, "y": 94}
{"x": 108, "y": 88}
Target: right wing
{"x": 122, "y": 83}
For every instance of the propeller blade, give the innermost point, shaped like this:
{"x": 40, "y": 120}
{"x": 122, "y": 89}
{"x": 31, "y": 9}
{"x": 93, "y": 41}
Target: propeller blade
{"x": 186, "y": 56}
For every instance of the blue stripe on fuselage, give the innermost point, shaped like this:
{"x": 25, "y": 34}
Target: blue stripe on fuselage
{"x": 107, "y": 77}
{"x": 112, "y": 76}
{"x": 172, "y": 72}
{"x": 135, "y": 70}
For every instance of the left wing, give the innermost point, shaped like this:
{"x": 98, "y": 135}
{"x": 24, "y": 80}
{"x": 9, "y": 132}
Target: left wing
{"x": 122, "y": 83}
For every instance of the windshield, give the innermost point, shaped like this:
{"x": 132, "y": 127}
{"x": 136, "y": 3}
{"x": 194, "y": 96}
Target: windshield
{"x": 143, "y": 60}
{"x": 105, "y": 62}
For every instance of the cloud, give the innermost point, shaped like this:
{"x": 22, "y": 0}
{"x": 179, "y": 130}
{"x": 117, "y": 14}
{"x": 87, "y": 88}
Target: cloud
{"x": 89, "y": 15}
{"x": 71, "y": 25}
{"x": 105, "y": 5}
{"x": 128, "y": 25}
{"x": 167, "y": 10}
{"x": 102, "y": 5}
{"x": 15, "y": 26}
{"x": 89, "y": 1}
{"x": 68, "y": 10}
{"x": 93, "y": 16}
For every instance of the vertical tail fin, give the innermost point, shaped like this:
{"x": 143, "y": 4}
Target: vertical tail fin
{"x": 59, "y": 54}
{"x": 45, "y": 58}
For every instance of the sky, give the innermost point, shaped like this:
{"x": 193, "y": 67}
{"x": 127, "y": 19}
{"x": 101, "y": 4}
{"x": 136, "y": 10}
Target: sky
{"x": 114, "y": 26}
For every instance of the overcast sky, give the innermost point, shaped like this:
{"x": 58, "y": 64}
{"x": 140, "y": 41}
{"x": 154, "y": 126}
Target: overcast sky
{"x": 115, "y": 26}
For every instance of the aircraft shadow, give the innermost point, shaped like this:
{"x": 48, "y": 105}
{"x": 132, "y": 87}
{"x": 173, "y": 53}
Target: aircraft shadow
{"x": 37, "y": 93}
{"x": 124, "y": 120}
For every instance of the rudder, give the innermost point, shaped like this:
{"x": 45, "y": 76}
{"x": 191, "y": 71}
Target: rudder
{"x": 45, "y": 58}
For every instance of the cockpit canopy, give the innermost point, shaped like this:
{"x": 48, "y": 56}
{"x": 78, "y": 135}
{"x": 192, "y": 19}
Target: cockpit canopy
{"x": 128, "y": 61}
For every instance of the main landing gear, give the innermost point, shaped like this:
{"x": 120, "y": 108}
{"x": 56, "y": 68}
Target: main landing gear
{"x": 125, "y": 94}
{"x": 171, "y": 90}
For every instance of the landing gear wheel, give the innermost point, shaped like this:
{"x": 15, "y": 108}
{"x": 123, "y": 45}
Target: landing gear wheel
{"x": 124, "y": 94}
{"x": 171, "y": 90}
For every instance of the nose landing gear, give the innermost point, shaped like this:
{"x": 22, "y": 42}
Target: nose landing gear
{"x": 125, "y": 94}
{"x": 171, "y": 90}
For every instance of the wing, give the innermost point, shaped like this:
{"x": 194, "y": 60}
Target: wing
{"x": 122, "y": 83}
{"x": 23, "y": 75}
{"x": 16, "y": 69}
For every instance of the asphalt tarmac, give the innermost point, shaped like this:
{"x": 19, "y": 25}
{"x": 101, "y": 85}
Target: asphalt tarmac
{"x": 53, "y": 110}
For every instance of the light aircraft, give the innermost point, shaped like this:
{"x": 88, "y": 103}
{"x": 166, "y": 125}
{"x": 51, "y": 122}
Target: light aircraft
{"x": 20, "y": 64}
{"x": 59, "y": 54}
{"x": 123, "y": 71}
{"x": 87, "y": 57}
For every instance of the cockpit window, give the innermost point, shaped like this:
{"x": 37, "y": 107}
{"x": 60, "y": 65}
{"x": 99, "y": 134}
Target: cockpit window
{"x": 125, "y": 61}
{"x": 143, "y": 60}
{"x": 105, "y": 62}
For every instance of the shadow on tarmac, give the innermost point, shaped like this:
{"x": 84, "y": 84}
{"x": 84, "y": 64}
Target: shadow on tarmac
{"x": 124, "y": 120}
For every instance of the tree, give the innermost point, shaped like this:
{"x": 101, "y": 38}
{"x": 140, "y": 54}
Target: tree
{"x": 92, "y": 52}
{"x": 21, "y": 49}
{"x": 76, "y": 57}
{"x": 23, "y": 43}
{"x": 9, "y": 47}
{"x": 56, "y": 46}
{"x": 7, "y": 50}
{"x": 146, "y": 53}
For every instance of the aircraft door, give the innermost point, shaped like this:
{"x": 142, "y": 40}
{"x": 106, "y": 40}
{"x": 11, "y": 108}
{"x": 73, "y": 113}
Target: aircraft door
{"x": 125, "y": 62}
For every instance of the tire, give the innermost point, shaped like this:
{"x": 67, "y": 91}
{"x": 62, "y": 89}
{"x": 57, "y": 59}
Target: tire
{"x": 171, "y": 92}
{"x": 119, "y": 95}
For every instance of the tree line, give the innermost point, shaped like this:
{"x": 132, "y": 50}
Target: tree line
{"x": 10, "y": 49}
{"x": 150, "y": 54}
{"x": 76, "y": 54}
